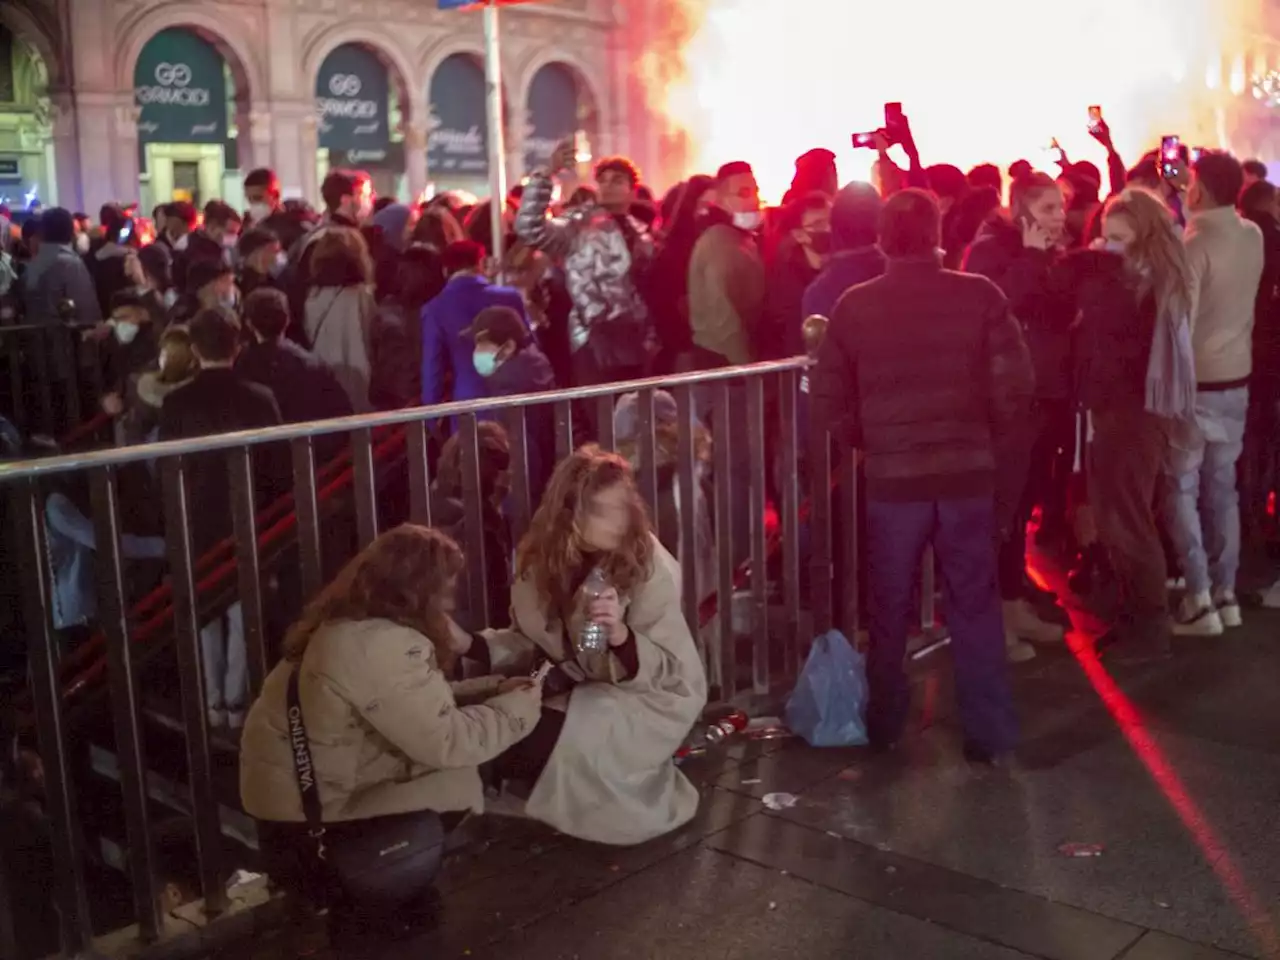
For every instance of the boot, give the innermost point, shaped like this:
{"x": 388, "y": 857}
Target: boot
{"x": 1017, "y": 651}
{"x": 1021, "y": 620}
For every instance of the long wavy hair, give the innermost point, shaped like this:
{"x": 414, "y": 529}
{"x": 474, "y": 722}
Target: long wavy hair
{"x": 1157, "y": 252}
{"x": 403, "y": 576}
{"x": 554, "y": 549}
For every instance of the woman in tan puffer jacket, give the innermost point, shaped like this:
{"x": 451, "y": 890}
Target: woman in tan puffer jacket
{"x": 388, "y": 733}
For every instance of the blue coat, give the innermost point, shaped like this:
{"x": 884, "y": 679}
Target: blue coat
{"x": 444, "y": 347}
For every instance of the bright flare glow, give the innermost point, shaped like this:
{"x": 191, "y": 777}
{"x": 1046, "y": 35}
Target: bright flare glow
{"x": 985, "y": 80}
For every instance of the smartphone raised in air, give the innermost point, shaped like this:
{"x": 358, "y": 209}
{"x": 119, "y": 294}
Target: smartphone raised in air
{"x": 861, "y": 140}
{"x": 1095, "y": 118}
{"x": 1170, "y": 156}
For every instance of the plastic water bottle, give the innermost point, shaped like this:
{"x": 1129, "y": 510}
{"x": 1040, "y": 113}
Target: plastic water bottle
{"x": 594, "y": 637}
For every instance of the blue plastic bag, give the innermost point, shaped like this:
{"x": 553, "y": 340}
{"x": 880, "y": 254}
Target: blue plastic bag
{"x": 830, "y": 698}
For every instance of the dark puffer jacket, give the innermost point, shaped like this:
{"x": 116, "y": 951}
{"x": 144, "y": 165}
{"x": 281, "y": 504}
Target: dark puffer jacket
{"x": 1117, "y": 322}
{"x": 923, "y": 369}
{"x": 1040, "y": 297}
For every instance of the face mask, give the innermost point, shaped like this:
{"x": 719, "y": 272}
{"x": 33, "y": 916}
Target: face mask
{"x": 82, "y": 243}
{"x": 259, "y": 211}
{"x": 485, "y": 362}
{"x": 748, "y": 221}
{"x": 125, "y": 332}
{"x": 228, "y": 301}
{"x": 170, "y": 298}
{"x": 282, "y": 261}
{"x": 181, "y": 243}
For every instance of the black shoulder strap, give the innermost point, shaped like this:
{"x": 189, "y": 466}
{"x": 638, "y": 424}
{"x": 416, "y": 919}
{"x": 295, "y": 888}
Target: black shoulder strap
{"x": 303, "y": 768}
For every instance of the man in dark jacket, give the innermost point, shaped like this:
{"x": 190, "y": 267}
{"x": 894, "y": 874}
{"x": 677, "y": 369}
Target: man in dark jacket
{"x": 220, "y": 400}
{"x": 262, "y": 260}
{"x": 511, "y": 363}
{"x": 305, "y": 388}
{"x": 922, "y": 369}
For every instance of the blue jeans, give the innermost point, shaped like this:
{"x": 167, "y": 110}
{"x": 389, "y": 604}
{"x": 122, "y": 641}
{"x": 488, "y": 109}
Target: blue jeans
{"x": 1200, "y": 503}
{"x": 963, "y": 536}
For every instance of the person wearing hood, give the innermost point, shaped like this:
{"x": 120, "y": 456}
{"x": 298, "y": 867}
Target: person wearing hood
{"x": 511, "y": 363}
{"x": 855, "y": 258}
{"x": 1022, "y": 255}
{"x": 726, "y": 273}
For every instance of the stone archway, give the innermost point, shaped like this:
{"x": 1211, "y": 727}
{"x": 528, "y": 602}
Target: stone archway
{"x": 28, "y": 171}
{"x": 558, "y": 102}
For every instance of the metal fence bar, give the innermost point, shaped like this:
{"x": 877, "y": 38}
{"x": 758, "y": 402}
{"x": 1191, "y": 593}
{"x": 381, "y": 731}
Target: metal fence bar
{"x": 240, "y": 477}
{"x": 687, "y": 487}
{"x": 71, "y": 896}
{"x": 473, "y": 524}
{"x": 308, "y": 512}
{"x": 419, "y": 474}
{"x": 18, "y": 384}
{"x": 521, "y": 495}
{"x": 725, "y": 660}
{"x": 759, "y": 560}
{"x": 564, "y": 429}
{"x": 789, "y": 481}
{"x": 647, "y": 455}
{"x": 366, "y": 492}
{"x": 820, "y": 599}
{"x": 130, "y": 746}
{"x": 607, "y": 436}
{"x": 204, "y": 803}
{"x": 852, "y": 612}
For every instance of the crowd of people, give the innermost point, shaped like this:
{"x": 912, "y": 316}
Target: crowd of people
{"x": 1107, "y": 368}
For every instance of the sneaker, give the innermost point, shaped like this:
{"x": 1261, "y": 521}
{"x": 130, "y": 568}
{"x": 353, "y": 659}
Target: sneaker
{"x": 1021, "y": 619}
{"x": 1176, "y": 583}
{"x": 1228, "y": 608}
{"x": 1271, "y": 596}
{"x": 1196, "y": 616}
{"x": 1017, "y": 650}
{"x": 217, "y": 717}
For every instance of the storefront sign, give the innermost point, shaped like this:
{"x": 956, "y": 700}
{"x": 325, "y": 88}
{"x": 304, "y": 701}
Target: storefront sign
{"x": 553, "y": 113}
{"x": 352, "y": 100}
{"x": 459, "y": 141}
{"x": 389, "y": 156}
{"x": 180, "y": 85}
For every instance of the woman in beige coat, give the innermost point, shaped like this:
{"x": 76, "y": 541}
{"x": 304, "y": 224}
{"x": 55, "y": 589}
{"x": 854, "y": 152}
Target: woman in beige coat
{"x": 388, "y": 733}
{"x": 600, "y": 761}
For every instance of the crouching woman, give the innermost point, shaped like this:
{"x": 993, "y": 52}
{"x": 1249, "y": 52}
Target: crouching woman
{"x": 599, "y": 762}
{"x": 388, "y": 735}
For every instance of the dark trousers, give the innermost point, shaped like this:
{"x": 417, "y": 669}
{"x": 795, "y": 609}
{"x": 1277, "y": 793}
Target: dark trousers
{"x": 962, "y": 533}
{"x": 587, "y": 372}
{"x": 1260, "y": 462}
{"x": 1124, "y": 468}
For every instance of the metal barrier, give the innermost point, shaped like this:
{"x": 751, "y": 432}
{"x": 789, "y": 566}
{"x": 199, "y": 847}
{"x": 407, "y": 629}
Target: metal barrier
{"x": 737, "y": 402}
{"x": 53, "y": 378}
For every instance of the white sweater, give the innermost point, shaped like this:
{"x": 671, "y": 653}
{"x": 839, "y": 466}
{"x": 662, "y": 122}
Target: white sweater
{"x": 1225, "y": 253}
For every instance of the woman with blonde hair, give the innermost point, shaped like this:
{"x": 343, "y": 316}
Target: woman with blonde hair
{"x": 366, "y": 667}
{"x": 600, "y": 762}
{"x": 341, "y": 308}
{"x": 1137, "y": 380}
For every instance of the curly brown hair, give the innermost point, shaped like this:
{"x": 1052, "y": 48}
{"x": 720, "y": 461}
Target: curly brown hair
{"x": 340, "y": 259}
{"x": 554, "y": 549}
{"x": 403, "y": 576}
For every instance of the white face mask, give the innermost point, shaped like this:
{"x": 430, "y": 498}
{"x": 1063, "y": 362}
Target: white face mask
{"x": 181, "y": 243}
{"x": 749, "y": 220}
{"x": 125, "y": 332}
{"x": 282, "y": 261}
{"x": 259, "y": 211}
{"x": 170, "y": 298}
{"x": 82, "y": 243}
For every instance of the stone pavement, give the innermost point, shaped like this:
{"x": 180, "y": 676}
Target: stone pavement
{"x": 1173, "y": 770}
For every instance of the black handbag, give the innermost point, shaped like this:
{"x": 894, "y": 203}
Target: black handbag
{"x": 384, "y": 860}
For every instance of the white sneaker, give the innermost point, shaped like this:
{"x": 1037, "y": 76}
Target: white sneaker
{"x": 1271, "y": 596}
{"x": 1017, "y": 650}
{"x": 1196, "y": 616}
{"x": 1176, "y": 583}
{"x": 1228, "y": 608}
{"x": 1021, "y": 619}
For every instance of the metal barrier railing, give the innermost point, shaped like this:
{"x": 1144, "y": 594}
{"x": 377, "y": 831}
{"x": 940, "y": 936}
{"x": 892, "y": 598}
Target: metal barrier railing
{"x": 738, "y": 404}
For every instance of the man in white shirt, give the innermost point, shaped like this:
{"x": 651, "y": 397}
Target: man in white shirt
{"x": 1202, "y": 504}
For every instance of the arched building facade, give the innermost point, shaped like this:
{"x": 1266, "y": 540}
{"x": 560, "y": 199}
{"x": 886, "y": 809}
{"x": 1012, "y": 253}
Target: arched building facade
{"x": 165, "y": 99}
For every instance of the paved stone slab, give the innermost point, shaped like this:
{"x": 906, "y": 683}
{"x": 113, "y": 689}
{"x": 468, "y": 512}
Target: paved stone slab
{"x": 1161, "y": 946}
{"x": 703, "y": 904}
{"x": 961, "y": 903}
